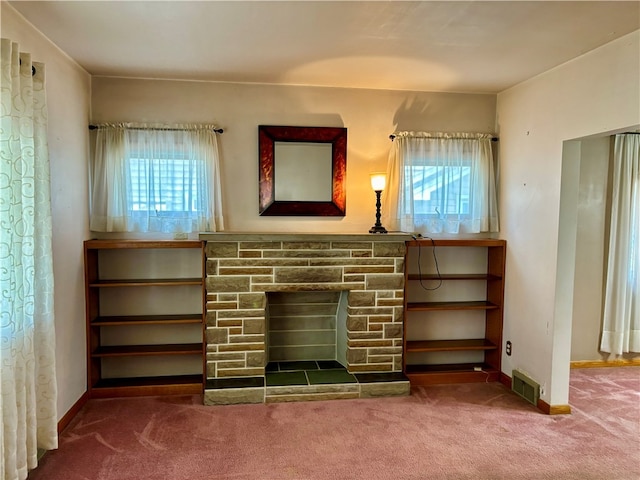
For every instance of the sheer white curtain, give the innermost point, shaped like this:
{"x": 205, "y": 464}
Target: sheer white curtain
{"x": 441, "y": 183}
{"x": 146, "y": 178}
{"x": 621, "y": 326}
{"x": 27, "y": 336}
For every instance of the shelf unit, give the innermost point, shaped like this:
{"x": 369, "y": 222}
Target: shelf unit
{"x": 113, "y": 332}
{"x": 473, "y": 352}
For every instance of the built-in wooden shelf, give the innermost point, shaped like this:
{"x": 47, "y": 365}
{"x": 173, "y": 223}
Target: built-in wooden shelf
{"x": 453, "y": 276}
{"x": 457, "y": 242}
{"x": 147, "y": 282}
{"x": 96, "y": 253}
{"x": 138, "y": 386}
{"x": 452, "y": 367}
{"x": 451, "y": 373}
{"x": 449, "y": 345}
{"x": 425, "y": 307}
{"x": 149, "y": 381}
{"x": 146, "y": 320}
{"x": 103, "y": 244}
{"x": 137, "y": 350}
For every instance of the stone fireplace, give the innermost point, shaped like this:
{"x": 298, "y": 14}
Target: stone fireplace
{"x": 243, "y": 270}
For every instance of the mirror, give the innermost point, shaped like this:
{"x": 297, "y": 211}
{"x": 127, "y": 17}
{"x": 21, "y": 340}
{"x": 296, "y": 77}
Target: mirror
{"x": 302, "y": 170}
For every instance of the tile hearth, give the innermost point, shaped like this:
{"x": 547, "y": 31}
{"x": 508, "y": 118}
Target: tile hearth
{"x": 280, "y": 374}
{"x": 307, "y": 380}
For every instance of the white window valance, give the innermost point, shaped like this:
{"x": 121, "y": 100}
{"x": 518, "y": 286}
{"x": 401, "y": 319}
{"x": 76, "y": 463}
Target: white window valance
{"x": 156, "y": 178}
{"x": 441, "y": 183}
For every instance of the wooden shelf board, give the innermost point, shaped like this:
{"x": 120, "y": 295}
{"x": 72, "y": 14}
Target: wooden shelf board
{"x": 450, "y": 373}
{"x": 423, "y": 306}
{"x": 452, "y": 276}
{"x": 443, "y": 378}
{"x": 147, "y": 320}
{"x": 449, "y": 345}
{"x": 129, "y": 244}
{"x": 138, "y": 386}
{"x": 447, "y": 368}
{"x": 457, "y": 242}
{"x": 142, "y": 350}
{"x": 147, "y": 282}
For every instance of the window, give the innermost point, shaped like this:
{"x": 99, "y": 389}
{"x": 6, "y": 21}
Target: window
{"x": 440, "y": 190}
{"x": 442, "y": 183}
{"x": 148, "y": 179}
{"x": 167, "y": 185}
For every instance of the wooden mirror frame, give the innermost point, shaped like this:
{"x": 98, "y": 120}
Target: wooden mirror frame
{"x": 336, "y": 136}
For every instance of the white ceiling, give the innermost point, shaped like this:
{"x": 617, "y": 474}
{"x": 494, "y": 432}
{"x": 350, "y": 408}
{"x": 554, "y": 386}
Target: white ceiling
{"x": 429, "y": 46}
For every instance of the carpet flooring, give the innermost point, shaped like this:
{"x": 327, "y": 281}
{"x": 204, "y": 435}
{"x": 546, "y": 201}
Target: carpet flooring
{"x": 450, "y": 432}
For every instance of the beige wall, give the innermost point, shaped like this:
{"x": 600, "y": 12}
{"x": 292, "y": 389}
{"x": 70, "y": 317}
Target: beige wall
{"x": 369, "y": 116}
{"x": 68, "y": 92}
{"x": 590, "y": 260}
{"x": 592, "y": 94}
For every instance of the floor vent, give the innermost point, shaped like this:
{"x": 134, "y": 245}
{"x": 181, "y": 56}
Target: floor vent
{"x": 525, "y": 387}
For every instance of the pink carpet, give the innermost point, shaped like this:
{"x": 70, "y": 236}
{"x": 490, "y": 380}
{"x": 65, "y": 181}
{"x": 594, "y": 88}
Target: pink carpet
{"x": 470, "y": 431}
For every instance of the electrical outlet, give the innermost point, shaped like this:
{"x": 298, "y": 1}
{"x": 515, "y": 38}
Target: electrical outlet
{"x": 508, "y": 349}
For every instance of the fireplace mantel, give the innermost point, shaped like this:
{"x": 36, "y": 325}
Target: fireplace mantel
{"x": 242, "y": 267}
{"x": 303, "y": 237}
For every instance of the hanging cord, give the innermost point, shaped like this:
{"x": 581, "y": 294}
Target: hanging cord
{"x": 435, "y": 259}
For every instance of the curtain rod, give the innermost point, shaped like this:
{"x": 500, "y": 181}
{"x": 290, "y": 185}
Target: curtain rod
{"x": 96, "y": 127}
{"x": 392, "y": 137}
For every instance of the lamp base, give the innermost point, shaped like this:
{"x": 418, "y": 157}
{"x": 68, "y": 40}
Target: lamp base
{"x": 378, "y": 229}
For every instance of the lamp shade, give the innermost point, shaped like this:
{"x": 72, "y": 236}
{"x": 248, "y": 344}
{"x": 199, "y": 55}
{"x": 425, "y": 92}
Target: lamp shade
{"x": 378, "y": 181}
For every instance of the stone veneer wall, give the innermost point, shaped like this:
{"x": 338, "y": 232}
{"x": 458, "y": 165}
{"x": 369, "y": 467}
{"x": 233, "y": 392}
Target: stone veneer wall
{"x": 240, "y": 268}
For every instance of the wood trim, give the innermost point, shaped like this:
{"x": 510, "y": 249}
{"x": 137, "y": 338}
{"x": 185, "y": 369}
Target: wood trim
{"x": 457, "y": 242}
{"x": 619, "y": 362}
{"x": 554, "y": 409}
{"x": 505, "y": 380}
{"x": 147, "y": 390}
{"x": 449, "y": 345}
{"x": 448, "y": 377}
{"x": 73, "y": 411}
{"x": 137, "y": 350}
{"x": 146, "y": 282}
{"x": 560, "y": 410}
{"x": 425, "y": 306}
{"x": 101, "y": 244}
{"x": 452, "y": 276}
{"x": 203, "y": 316}
{"x": 147, "y": 320}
